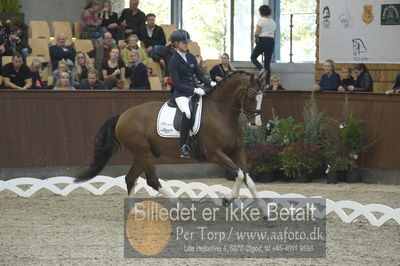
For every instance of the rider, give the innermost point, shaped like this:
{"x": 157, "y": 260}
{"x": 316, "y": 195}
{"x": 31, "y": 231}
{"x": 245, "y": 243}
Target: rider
{"x": 183, "y": 69}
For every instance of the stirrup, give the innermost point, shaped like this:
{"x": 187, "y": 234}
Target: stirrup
{"x": 185, "y": 151}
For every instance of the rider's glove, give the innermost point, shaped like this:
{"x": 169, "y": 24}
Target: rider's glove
{"x": 199, "y": 91}
{"x": 213, "y": 83}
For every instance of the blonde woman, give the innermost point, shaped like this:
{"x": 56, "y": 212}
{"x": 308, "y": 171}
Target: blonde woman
{"x": 275, "y": 84}
{"x": 330, "y": 80}
{"x": 132, "y": 44}
{"x": 34, "y": 69}
{"x": 63, "y": 82}
{"x": 82, "y": 66}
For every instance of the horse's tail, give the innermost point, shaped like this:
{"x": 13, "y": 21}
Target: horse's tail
{"x": 106, "y": 144}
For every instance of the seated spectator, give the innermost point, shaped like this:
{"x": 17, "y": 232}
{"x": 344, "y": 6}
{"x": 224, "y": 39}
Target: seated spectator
{"x": 132, "y": 19}
{"x": 152, "y": 35}
{"x": 4, "y": 51}
{"x": 275, "y": 84}
{"x": 364, "y": 82}
{"x": 92, "y": 82}
{"x": 110, "y": 20}
{"x": 63, "y": 83}
{"x": 90, "y": 24}
{"x": 19, "y": 38}
{"x": 396, "y": 85}
{"x": 132, "y": 44}
{"x": 347, "y": 79}
{"x": 162, "y": 57}
{"x": 102, "y": 49}
{"x": 114, "y": 71}
{"x": 82, "y": 65}
{"x": 34, "y": 68}
{"x": 16, "y": 75}
{"x": 62, "y": 51}
{"x": 137, "y": 73}
{"x": 62, "y": 67}
{"x": 218, "y": 72}
{"x": 330, "y": 80}
{"x": 202, "y": 65}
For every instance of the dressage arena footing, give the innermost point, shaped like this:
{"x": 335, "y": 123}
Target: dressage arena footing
{"x": 178, "y": 171}
{"x": 84, "y": 229}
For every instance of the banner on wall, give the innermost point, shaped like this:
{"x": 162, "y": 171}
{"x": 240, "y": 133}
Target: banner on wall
{"x": 360, "y": 31}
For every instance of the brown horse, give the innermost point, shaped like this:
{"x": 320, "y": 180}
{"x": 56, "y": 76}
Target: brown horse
{"x": 220, "y": 136}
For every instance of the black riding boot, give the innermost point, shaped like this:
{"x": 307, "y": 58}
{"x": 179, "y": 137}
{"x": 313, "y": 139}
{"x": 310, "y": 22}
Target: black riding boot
{"x": 185, "y": 150}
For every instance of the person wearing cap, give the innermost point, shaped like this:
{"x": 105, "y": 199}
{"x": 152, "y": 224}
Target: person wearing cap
{"x": 184, "y": 69}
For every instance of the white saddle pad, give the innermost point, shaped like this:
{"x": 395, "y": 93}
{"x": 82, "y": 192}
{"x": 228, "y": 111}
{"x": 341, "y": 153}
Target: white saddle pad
{"x": 165, "y": 121}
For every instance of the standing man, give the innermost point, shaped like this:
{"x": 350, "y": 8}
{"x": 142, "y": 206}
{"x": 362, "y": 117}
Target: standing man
{"x": 102, "y": 49}
{"x": 16, "y": 75}
{"x": 132, "y": 18}
{"x": 152, "y": 35}
{"x": 62, "y": 51}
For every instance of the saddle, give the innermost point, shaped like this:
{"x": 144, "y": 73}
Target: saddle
{"x": 193, "y": 105}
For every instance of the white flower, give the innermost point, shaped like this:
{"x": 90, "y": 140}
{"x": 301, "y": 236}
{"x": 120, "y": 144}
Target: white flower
{"x": 355, "y": 156}
{"x": 342, "y": 125}
{"x": 327, "y": 169}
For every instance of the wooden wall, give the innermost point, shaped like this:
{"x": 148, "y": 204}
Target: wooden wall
{"x": 383, "y": 75}
{"x": 57, "y": 128}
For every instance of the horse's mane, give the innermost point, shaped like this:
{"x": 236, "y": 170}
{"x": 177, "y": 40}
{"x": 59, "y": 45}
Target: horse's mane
{"x": 231, "y": 75}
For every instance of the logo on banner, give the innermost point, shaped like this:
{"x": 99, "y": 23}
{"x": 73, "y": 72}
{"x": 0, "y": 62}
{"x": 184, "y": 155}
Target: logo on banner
{"x": 390, "y": 14}
{"x": 346, "y": 20}
{"x": 359, "y": 49}
{"x": 326, "y": 17}
{"x": 368, "y": 16}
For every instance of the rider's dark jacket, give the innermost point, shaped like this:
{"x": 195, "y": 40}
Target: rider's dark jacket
{"x": 183, "y": 74}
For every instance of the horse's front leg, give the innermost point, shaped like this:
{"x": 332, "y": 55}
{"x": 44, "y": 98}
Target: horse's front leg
{"x": 223, "y": 160}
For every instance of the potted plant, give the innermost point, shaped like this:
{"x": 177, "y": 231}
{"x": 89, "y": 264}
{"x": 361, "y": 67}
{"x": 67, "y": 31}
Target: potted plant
{"x": 352, "y": 138}
{"x": 10, "y": 9}
{"x": 263, "y": 161}
{"x": 300, "y": 159}
{"x": 283, "y": 131}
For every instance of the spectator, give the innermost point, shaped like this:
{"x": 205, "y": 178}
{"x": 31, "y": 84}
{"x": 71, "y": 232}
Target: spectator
{"x": 114, "y": 70}
{"x": 110, "y": 20}
{"x": 4, "y": 51}
{"x": 62, "y": 67}
{"x": 364, "y": 82}
{"x": 90, "y": 24}
{"x": 202, "y": 65}
{"x": 396, "y": 85}
{"x": 275, "y": 84}
{"x": 63, "y": 83}
{"x": 62, "y": 51}
{"x": 152, "y": 35}
{"x": 16, "y": 75}
{"x": 92, "y": 82}
{"x": 265, "y": 40}
{"x": 218, "y": 72}
{"x": 330, "y": 80}
{"x": 132, "y": 42}
{"x": 102, "y": 49}
{"x": 347, "y": 79}
{"x": 137, "y": 72}
{"x": 19, "y": 38}
{"x": 82, "y": 65}
{"x": 132, "y": 19}
{"x": 34, "y": 68}
{"x": 162, "y": 57}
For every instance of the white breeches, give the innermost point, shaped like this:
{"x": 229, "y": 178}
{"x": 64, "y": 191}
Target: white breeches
{"x": 183, "y": 105}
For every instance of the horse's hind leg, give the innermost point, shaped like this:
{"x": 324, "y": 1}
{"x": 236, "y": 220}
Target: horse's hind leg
{"x": 131, "y": 178}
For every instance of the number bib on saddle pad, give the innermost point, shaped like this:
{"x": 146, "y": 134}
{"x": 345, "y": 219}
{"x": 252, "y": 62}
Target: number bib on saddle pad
{"x": 169, "y": 120}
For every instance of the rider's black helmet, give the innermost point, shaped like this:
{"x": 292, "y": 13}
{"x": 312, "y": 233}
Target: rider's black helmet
{"x": 180, "y": 36}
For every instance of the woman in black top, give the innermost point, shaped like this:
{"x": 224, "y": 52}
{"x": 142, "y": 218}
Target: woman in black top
{"x": 275, "y": 84}
{"x": 364, "y": 82}
{"x": 110, "y": 20}
{"x": 347, "y": 79}
{"x": 19, "y": 38}
{"x": 218, "y": 72}
{"x": 137, "y": 73}
{"x": 114, "y": 70}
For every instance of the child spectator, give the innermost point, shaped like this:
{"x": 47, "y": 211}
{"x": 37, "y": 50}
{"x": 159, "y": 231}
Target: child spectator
{"x": 275, "y": 84}
{"x": 347, "y": 79}
{"x": 330, "y": 80}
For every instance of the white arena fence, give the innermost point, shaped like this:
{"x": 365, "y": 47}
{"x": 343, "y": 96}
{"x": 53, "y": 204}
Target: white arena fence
{"x": 196, "y": 190}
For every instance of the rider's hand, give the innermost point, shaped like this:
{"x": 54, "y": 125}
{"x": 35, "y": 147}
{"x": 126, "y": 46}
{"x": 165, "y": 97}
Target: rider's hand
{"x": 199, "y": 91}
{"x": 213, "y": 83}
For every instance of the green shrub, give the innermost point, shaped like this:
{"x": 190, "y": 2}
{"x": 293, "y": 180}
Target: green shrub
{"x": 313, "y": 128}
{"x": 10, "y": 5}
{"x": 252, "y": 136}
{"x": 284, "y": 131}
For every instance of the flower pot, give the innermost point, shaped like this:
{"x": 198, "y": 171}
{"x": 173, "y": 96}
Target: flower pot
{"x": 318, "y": 173}
{"x": 267, "y": 177}
{"x": 302, "y": 178}
{"x": 353, "y": 176}
{"x": 332, "y": 177}
{"x": 341, "y": 176}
